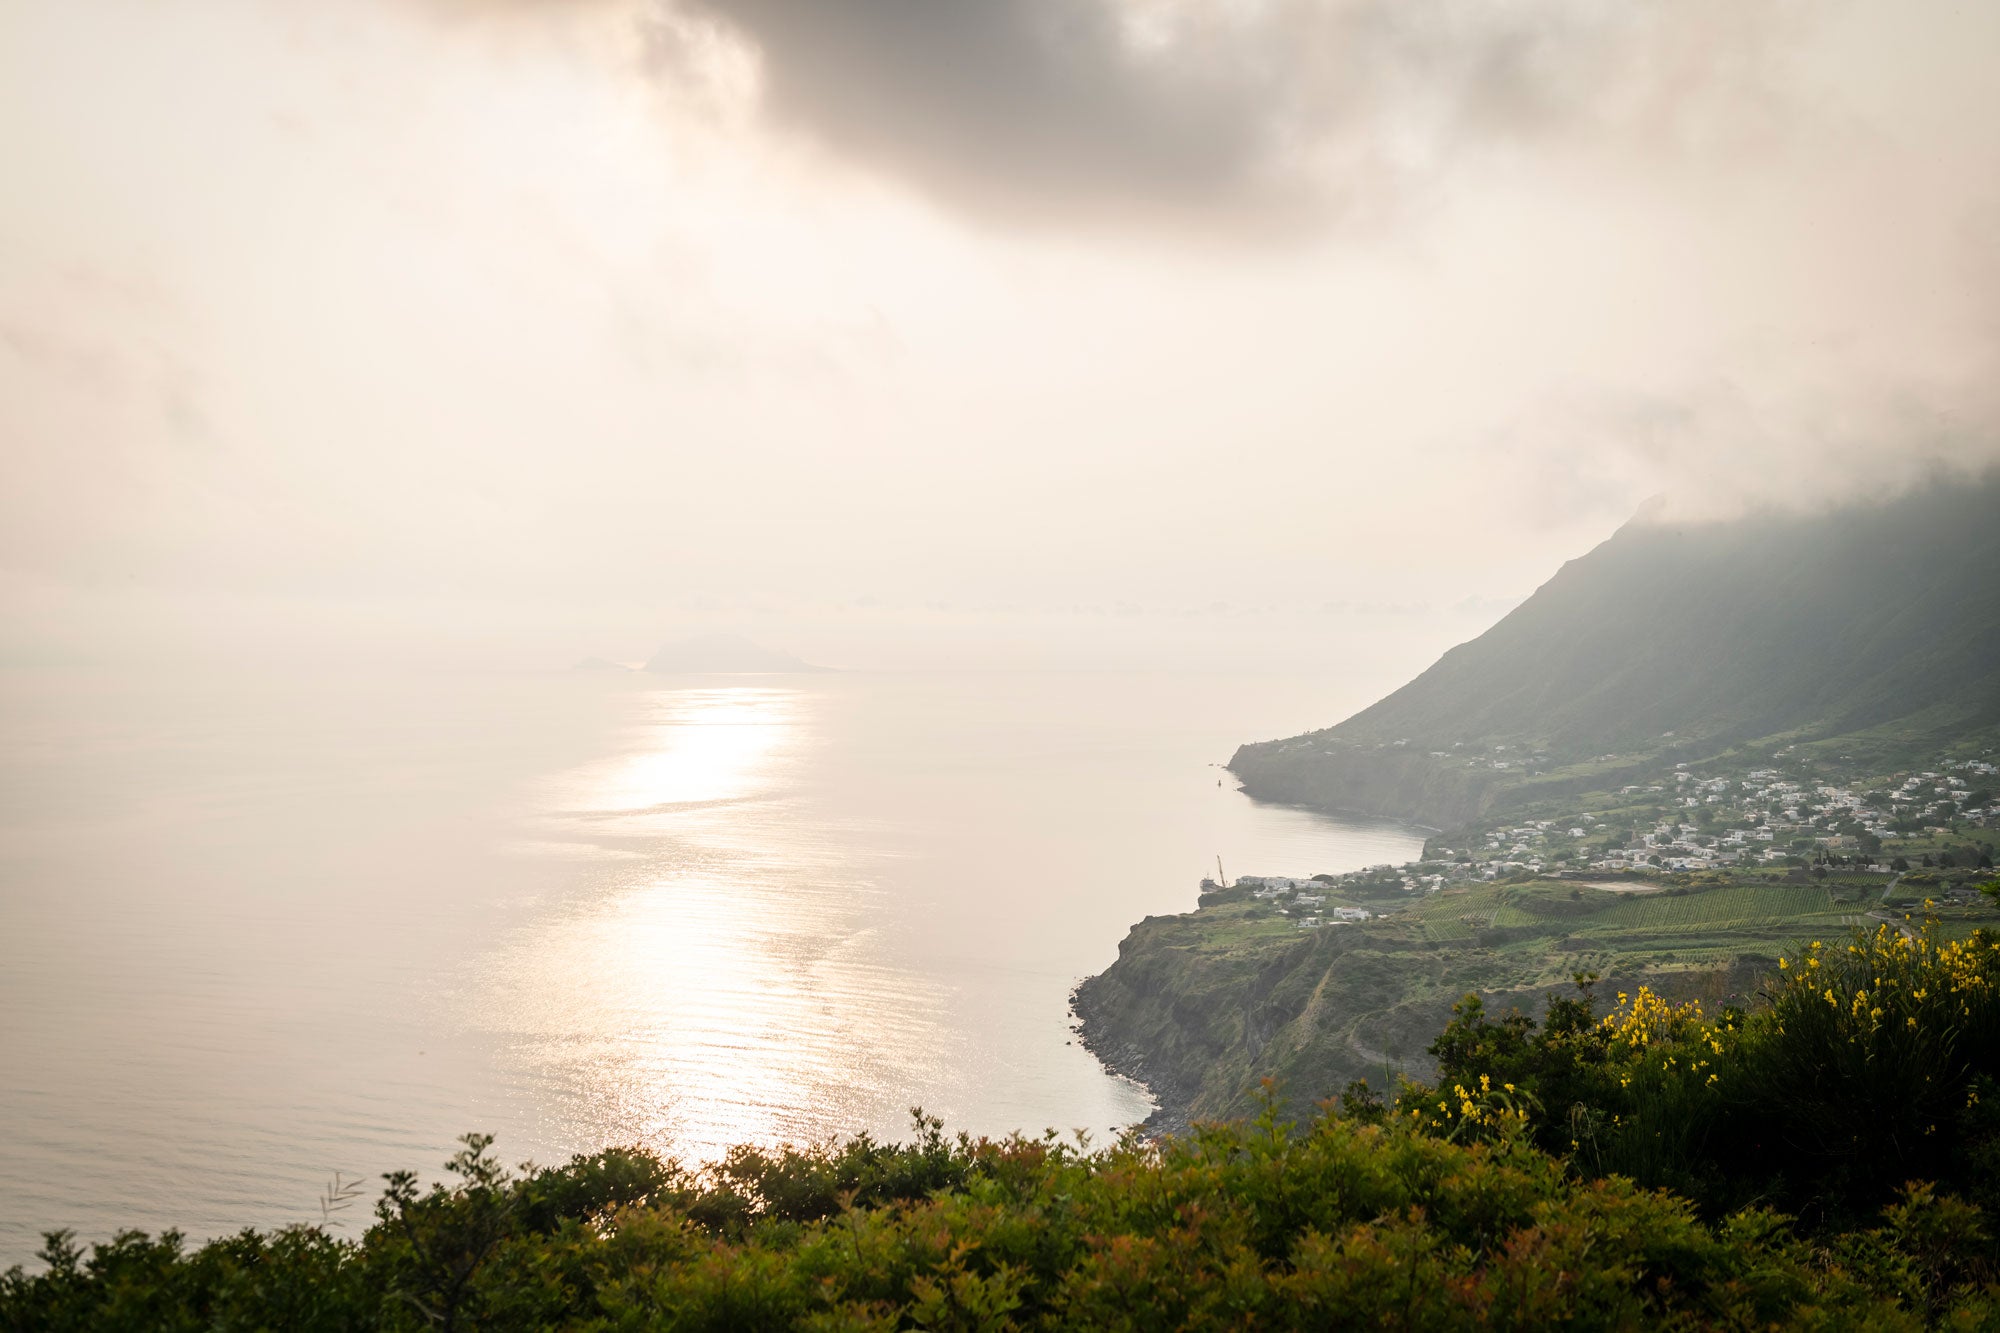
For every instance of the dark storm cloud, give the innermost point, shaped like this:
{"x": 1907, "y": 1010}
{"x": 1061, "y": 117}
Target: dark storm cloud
{"x": 994, "y": 100}
{"x": 1040, "y": 108}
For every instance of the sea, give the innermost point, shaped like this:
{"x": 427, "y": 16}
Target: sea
{"x": 262, "y": 933}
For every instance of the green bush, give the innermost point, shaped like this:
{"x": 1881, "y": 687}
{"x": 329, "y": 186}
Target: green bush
{"x": 1871, "y": 1064}
{"x": 1239, "y": 1225}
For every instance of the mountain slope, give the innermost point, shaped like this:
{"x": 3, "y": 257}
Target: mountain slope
{"x": 1879, "y": 621}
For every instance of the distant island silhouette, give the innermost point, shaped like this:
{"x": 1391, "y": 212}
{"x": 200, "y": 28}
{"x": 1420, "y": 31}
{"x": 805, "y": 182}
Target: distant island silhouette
{"x": 724, "y": 654}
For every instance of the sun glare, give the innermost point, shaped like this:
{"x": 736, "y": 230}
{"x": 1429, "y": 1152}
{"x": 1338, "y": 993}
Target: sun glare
{"x": 721, "y": 985}
{"x": 702, "y": 745}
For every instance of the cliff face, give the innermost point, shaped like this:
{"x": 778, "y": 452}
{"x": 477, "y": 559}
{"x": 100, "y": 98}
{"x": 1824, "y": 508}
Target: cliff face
{"x": 1201, "y": 1007}
{"x": 1186, "y": 1019}
{"x": 1200, "y": 1023}
{"x": 1390, "y": 783}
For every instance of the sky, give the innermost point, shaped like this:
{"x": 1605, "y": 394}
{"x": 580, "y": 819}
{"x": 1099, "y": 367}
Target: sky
{"x": 965, "y": 332}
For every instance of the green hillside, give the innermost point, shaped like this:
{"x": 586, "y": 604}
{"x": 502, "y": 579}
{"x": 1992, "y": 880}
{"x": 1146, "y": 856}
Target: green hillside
{"x": 1875, "y": 627}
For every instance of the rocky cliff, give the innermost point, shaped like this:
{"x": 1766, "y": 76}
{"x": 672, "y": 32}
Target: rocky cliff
{"x": 1201, "y": 1007}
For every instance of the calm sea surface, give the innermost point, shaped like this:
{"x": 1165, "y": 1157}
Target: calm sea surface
{"x": 252, "y": 933}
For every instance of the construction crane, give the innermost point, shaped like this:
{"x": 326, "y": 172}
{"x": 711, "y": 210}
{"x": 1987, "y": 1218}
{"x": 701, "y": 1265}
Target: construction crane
{"x": 1221, "y": 880}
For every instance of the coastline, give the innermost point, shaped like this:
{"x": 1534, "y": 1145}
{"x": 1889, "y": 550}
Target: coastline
{"x": 1170, "y": 1115}
{"x": 1165, "y": 1012}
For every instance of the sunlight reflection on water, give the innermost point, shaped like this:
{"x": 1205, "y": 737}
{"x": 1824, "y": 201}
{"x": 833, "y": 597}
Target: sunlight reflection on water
{"x": 726, "y": 989}
{"x": 700, "y": 745}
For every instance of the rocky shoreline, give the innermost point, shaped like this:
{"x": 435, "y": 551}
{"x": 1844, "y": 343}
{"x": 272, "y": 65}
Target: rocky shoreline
{"x": 1170, "y": 1117}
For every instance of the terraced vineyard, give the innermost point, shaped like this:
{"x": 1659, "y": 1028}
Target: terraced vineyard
{"x": 1691, "y": 923}
{"x": 1749, "y": 919}
{"x": 1748, "y": 905}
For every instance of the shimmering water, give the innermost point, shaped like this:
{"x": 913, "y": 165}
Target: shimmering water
{"x": 252, "y": 932}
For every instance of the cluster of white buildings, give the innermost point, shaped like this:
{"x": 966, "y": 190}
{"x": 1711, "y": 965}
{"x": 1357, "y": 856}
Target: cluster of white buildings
{"x": 1776, "y": 811}
{"x": 1274, "y": 886}
{"x": 1748, "y": 819}
{"x": 1752, "y": 819}
{"x": 1341, "y": 916}
{"x": 1303, "y": 898}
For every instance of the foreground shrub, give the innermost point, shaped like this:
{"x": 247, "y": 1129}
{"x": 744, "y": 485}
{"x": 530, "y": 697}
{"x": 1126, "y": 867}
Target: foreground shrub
{"x": 1871, "y": 1064}
{"x": 1335, "y": 1222}
{"x": 1874, "y": 1063}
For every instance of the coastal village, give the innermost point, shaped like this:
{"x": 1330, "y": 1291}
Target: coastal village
{"x": 1764, "y": 824}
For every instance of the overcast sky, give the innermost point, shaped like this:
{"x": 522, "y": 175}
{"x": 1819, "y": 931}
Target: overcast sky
{"x": 901, "y": 332}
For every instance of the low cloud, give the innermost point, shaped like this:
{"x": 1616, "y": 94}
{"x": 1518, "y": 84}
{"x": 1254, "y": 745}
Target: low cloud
{"x": 1721, "y": 450}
